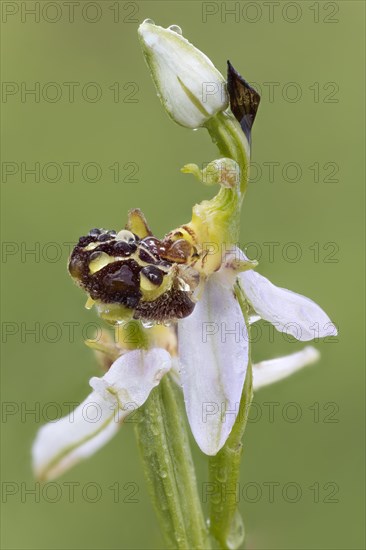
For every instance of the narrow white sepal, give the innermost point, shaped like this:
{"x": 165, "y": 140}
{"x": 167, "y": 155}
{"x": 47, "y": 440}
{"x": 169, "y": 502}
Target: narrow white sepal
{"x": 213, "y": 352}
{"x": 273, "y": 370}
{"x": 126, "y": 386}
{"x": 289, "y": 312}
{"x": 191, "y": 89}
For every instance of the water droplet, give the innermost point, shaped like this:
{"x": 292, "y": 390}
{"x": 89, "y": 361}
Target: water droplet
{"x": 147, "y": 324}
{"x": 126, "y": 236}
{"x": 179, "y": 539}
{"x": 153, "y": 274}
{"x": 163, "y": 474}
{"x": 175, "y": 28}
{"x": 216, "y": 498}
{"x": 149, "y": 21}
{"x": 95, "y": 232}
{"x": 236, "y": 534}
{"x": 155, "y": 430}
{"x": 221, "y": 475}
{"x": 183, "y": 285}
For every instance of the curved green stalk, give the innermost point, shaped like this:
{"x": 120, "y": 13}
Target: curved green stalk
{"x": 227, "y": 134}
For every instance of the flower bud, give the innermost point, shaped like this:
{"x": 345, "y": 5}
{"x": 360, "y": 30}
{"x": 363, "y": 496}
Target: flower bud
{"x": 190, "y": 87}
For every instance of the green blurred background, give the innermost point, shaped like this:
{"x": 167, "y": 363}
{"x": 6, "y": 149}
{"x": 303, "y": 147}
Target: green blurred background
{"x": 317, "y": 460}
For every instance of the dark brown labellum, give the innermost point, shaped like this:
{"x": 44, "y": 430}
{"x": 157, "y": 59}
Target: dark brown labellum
{"x": 114, "y": 271}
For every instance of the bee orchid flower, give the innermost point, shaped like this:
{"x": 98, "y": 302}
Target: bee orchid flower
{"x": 192, "y": 297}
{"x": 210, "y": 360}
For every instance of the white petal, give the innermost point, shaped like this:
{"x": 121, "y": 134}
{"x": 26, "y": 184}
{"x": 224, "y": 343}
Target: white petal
{"x": 288, "y": 311}
{"x": 191, "y": 88}
{"x": 175, "y": 371}
{"x": 234, "y": 262}
{"x": 213, "y": 350}
{"x": 268, "y": 372}
{"x": 126, "y": 386}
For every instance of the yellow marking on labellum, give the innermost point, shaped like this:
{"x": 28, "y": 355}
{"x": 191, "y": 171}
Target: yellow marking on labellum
{"x": 91, "y": 246}
{"x": 146, "y": 284}
{"x": 101, "y": 261}
{"x": 151, "y": 291}
{"x": 135, "y": 256}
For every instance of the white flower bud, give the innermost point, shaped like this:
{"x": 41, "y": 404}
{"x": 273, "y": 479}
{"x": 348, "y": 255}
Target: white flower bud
{"x": 190, "y": 87}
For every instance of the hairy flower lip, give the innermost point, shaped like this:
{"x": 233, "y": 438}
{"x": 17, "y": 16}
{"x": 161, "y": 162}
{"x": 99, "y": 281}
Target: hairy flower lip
{"x": 129, "y": 277}
{"x": 190, "y": 87}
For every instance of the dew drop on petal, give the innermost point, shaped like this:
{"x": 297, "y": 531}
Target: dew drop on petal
{"x": 149, "y": 21}
{"x": 175, "y": 28}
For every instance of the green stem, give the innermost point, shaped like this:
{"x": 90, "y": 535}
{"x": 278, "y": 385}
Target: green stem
{"x": 224, "y": 468}
{"x": 227, "y": 134}
{"x": 168, "y": 465}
